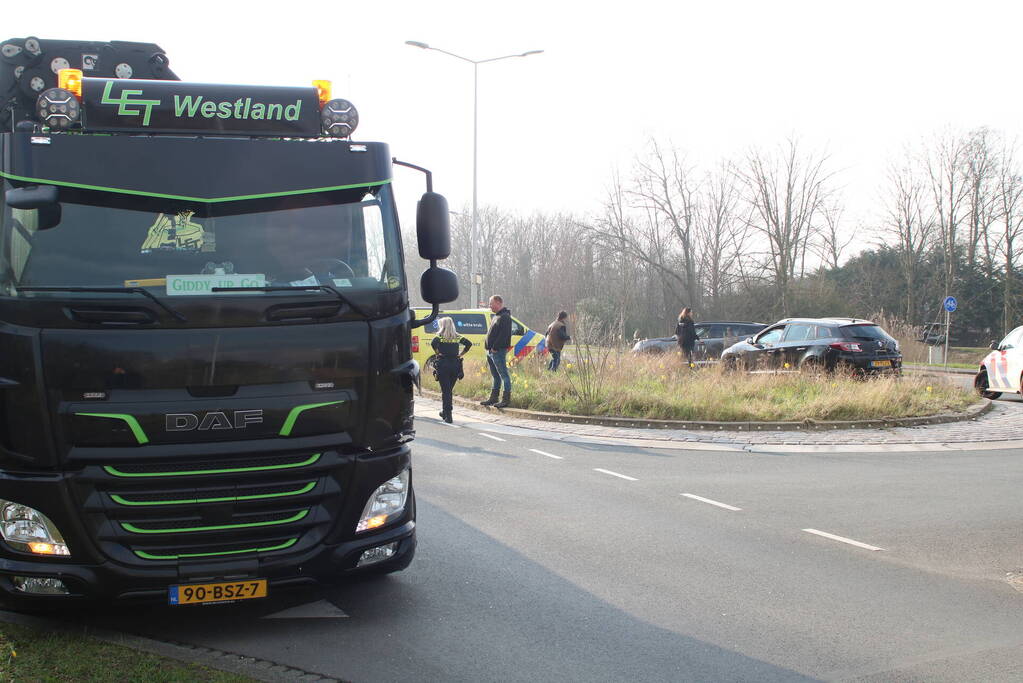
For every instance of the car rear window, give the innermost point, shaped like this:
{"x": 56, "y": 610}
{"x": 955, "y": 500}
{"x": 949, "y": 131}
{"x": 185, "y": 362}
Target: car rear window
{"x": 864, "y": 332}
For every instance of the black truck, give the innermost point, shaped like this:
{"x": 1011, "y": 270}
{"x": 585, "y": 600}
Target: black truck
{"x": 206, "y": 380}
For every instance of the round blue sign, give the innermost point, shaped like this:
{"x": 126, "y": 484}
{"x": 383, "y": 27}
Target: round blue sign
{"x": 950, "y": 304}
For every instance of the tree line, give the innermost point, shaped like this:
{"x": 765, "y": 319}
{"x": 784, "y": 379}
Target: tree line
{"x": 766, "y": 236}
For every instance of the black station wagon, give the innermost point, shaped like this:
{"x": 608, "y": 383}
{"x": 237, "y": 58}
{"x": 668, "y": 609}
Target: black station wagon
{"x": 845, "y": 344}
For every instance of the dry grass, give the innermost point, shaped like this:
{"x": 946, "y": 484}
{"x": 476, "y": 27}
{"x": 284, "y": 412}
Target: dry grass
{"x": 664, "y": 388}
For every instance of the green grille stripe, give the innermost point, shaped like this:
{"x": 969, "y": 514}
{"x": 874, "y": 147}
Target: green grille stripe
{"x": 298, "y": 410}
{"x": 220, "y": 527}
{"x": 120, "y": 500}
{"x": 117, "y": 473}
{"x": 287, "y": 544}
{"x": 136, "y": 428}
{"x": 215, "y": 200}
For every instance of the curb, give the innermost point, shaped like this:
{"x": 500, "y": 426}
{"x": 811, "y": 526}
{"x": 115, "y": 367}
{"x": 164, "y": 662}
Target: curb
{"x": 971, "y": 413}
{"x": 257, "y": 669}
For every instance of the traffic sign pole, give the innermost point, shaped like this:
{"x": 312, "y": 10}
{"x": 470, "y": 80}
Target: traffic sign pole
{"x": 949, "y": 304}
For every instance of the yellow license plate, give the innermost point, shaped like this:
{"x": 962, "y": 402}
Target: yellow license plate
{"x": 226, "y": 591}
{"x": 881, "y": 363}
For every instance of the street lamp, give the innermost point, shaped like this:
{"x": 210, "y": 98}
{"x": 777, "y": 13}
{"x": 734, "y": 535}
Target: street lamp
{"x": 475, "y": 111}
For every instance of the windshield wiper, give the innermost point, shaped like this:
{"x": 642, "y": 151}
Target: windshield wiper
{"x": 129, "y": 290}
{"x": 291, "y": 288}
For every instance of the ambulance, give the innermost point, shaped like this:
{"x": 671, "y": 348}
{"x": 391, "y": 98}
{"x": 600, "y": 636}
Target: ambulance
{"x": 473, "y": 323}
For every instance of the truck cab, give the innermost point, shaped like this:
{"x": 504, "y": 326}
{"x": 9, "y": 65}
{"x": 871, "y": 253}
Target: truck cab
{"x": 206, "y": 383}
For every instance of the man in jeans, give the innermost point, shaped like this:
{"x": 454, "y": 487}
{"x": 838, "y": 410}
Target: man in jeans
{"x": 557, "y": 336}
{"x": 497, "y": 343}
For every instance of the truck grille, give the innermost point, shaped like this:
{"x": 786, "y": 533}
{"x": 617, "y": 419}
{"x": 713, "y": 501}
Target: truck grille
{"x": 177, "y": 511}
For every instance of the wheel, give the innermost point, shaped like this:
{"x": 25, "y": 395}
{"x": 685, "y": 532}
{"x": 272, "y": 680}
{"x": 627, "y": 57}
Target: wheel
{"x": 812, "y": 365}
{"x": 729, "y": 364}
{"x": 980, "y": 383}
{"x": 333, "y": 266}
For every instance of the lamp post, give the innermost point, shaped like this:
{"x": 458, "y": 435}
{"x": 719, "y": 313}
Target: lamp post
{"x": 475, "y": 129}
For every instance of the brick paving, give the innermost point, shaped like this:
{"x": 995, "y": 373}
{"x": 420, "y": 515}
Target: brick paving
{"x": 1003, "y": 423}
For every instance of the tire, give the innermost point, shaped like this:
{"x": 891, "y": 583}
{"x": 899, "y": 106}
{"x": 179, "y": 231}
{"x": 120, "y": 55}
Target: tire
{"x": 729, "y": 364}
{"x": 980, "y": 383}
{"x": 812, "y": 365}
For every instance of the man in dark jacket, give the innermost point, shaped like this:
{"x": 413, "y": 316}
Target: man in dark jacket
{"x": 557, "y": 336}
{"x": 497, "y": 343}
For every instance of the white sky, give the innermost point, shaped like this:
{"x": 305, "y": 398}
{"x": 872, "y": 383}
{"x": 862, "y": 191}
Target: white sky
{"x": 858, "y": 79}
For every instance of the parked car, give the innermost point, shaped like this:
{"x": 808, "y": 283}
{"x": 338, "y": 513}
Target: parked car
{"x": 715, "y": 336}
{"x": 1002, "y": 369}
{"x": 856, "y": 345}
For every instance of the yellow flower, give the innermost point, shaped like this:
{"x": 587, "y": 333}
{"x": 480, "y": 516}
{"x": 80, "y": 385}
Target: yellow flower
{"x": 929, "y": 389}
{"x": 787, "y": 366}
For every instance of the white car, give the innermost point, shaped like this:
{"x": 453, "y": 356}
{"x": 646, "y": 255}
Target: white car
{"x": 1002, "y": 369}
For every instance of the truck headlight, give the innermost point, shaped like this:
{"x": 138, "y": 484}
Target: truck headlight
{"x": 386, "y": 503}
{"x": 28, "y": 530}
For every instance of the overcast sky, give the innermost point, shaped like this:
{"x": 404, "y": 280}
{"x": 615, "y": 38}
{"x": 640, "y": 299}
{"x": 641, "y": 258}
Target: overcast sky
{"x": 859, "y": 80}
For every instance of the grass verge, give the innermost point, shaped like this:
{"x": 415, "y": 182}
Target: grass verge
{"x": 28, "y": 654}
{"x": 664, "y": 388}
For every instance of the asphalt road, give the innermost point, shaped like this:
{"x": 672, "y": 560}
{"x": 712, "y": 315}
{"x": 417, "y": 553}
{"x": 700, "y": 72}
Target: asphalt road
{"x": 542, "y": 560}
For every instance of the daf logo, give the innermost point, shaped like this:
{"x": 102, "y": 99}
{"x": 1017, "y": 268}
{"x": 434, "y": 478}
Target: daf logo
{"x": 187, "y": 422}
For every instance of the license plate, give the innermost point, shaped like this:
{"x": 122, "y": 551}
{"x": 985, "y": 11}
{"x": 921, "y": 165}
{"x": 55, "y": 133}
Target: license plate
{"x": 225, "y": 591}
{"x": 880, "y": 363}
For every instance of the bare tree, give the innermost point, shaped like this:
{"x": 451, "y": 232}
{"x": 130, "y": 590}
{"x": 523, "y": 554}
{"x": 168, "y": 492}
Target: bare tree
{"x": 831, "y": 242}
{"x": 945, "y": 162}
{"x": 785, "y": 191}
{"x": 909, "y": 224}
{"x": 1010, "y": 202}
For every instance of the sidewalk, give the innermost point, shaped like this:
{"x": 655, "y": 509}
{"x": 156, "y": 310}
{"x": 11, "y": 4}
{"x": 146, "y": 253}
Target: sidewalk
{"x": 1000, "y": 427}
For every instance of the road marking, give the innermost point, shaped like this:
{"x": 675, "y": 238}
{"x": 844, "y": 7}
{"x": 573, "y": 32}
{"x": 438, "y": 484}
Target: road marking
{"x": 448, "y": 424}
{"x": 842, "y": 539}
{"x": 712, "y": 502}
{"x": 549, "y": 455}
{"x": 615, "y": 474}
{"x": 491, "y": 436}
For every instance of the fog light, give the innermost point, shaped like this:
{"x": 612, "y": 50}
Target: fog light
{"x": 386, "y": 503}
{"x": 378, "y": 554}
{"x": 39, "y": 586}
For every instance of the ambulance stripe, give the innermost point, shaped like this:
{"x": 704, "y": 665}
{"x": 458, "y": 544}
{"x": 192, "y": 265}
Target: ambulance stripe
{"x": 542, "y": 346}
{"x": 521, "y": 346}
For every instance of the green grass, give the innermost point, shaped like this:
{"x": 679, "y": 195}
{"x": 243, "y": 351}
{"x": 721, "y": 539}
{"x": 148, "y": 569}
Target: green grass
{"x": 28, "y": 654}
{"x": 664, "y": 388}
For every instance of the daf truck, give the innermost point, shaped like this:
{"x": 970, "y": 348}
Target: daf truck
{"x": 206, "y": 379}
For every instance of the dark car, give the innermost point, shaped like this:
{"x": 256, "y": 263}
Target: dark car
{"x": 848, "y": 344}
{"x": 714, "y": 337}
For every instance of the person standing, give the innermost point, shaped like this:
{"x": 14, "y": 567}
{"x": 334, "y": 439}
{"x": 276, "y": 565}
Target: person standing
{"x": 557, "y": 337}
{"x": 449, "y": 347}
{"x": 685, "y": 334}
{"x": 497, "y": 343}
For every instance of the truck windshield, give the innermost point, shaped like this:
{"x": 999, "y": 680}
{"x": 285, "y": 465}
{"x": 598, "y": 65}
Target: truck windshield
{"x": 347, "y": 240}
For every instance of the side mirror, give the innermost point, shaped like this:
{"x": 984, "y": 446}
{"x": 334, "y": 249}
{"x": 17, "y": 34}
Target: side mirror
{"x": 432, "y": 229}
{"x": 993, "y": 346}
{"x": 438, "y": 286}
{"x": 749, "y": 340}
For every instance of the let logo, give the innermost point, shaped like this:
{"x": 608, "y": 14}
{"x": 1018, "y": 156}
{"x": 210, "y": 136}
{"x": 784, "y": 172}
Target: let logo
{"x": 127, "y": 105}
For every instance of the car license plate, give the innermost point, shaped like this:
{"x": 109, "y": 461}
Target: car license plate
{"x": 225, "y": 591}
{"x": 880, "y": 363}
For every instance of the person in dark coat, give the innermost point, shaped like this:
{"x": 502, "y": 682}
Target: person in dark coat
{"x": 449, "y": 347}
{"x": 685, "y": 334}
{"x": 557, "y": 337}
{"x": 497, "y": 344}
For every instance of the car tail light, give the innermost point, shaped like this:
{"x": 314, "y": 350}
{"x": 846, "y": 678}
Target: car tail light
{"x": 415, "y": 343}
{"x": 846, "y": 346}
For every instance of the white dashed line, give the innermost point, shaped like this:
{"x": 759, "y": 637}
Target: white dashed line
{"x": 615, "y": 474}
{"x": 448, "y": 424}
{"x": 842, "y": 539}
{"x": 549, "y": 455}
{"x": 491, "y": 436}
{"x": 711, "y": 502}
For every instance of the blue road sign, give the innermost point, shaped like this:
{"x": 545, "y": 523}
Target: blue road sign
{"x": 950, "y": 304}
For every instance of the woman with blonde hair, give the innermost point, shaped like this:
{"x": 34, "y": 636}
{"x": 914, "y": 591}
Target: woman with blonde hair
{"x": 449, "y": 347}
